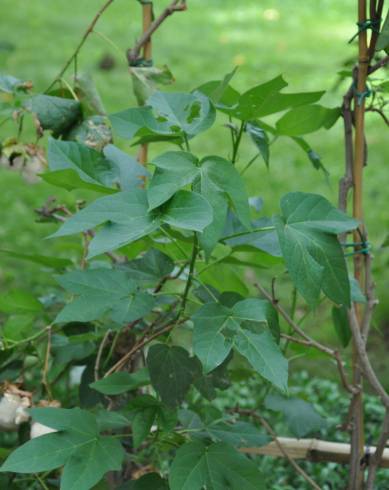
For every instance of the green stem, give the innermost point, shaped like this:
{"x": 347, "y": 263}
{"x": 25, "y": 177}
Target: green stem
{"x": 237, "y": 143}
{"x": 243, "y": 233}
{"x": 41, "y": 482}
{"x": 186, "y": 140}
{"x": 249, "y": 164}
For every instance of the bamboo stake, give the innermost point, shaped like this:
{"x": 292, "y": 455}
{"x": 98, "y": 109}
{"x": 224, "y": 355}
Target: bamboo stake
{"x": 357, "y": 439}
{"x": 313, "y": 450}
{"x": 147, "y": 9}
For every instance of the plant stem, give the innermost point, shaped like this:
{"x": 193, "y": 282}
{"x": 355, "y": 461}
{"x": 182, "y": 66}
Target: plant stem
{"x": 271, "y": 432}
{"x": 237, "y": 143}
{"x": 243, "y": 233}
{"x": 81, "y": 43}
{"x": 356, "y": 481}
{"x": 147, "y": 13}
{"x": 249, "y": 164}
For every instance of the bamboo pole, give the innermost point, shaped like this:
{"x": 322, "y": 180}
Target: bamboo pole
{"x": 313, "y": 450}
{"x": 357, "y": 438}
{"x": 147, "y": 12}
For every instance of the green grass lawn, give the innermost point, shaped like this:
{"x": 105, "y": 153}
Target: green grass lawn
{"x": 305, "y": 41}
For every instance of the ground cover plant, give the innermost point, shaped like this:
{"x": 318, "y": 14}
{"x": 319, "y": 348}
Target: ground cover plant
{"x": 158, "y": 307}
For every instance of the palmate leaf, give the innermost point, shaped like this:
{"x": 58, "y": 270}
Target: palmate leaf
{"x": 10, "y": 84}
{"x": 43, "y": 453}
{"x": 166, "y": 114}
{"x": 301, "y": 416}
{"x": 151, "y": 267}
{"x": 89, "y": 463}
{"x": 56, "y": 114}
{"x": 110, "y": 169}
{"x": 129, "y": 219}
{"x": 215, "y": 467}
{"x": 214, "y": 178}
{"x": 260, "y": 101}
{"x": 307, "y": 119}
{"x": 189, "y": 113}
{"x": 172, "y": 372}
{"x": 218, "y": 329}
{"x": 19, "y": 301}
{"x": 100, "y": 291}
{"x": 121, "y": 382}
{"x": 78, "y": 446}
{"x": 383, "y": 38}
{"x": 307, "y": 232}
{"x": 238, "y": 434}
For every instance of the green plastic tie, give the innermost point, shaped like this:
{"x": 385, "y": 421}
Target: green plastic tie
{"x": 360, "y": 96}
{"x": 373, "y": 24}
{"x": 142, "y": 62}
{"x": 364, "y": 250}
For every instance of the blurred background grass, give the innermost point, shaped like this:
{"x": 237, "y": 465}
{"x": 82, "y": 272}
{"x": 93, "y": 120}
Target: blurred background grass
{"x": 305, "y": 41}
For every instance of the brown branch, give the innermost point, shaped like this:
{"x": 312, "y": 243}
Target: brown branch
{"x": 380, "y": 112}
{"x": 364, "y": 360}
{"x": 346, "y": 182}
{"x": 133, "y": 53}
{"x": 370, "y": 297}
{"x": 309, "y": 341}
{"x": 375, "y": 15}
{"x": 100, "y": 353}
{"x": 376, "y": 458}
{"x": 45, "y": 372}
{"x": 143, "y": 341}
{"x": 380, "y": 64}
{"x": 81, "y": 43}
{"x": 271, "y": 432}
{"x": 356, "y": 477}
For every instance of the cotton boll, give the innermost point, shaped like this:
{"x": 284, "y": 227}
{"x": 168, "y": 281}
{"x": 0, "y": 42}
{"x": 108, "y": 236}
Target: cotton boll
{"x": 13, "y": 411}
{"x": 38, "y": 430}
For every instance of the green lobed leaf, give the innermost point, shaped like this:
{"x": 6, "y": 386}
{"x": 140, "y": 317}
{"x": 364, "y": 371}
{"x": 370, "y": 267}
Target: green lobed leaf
{"x": 171, "y": 372}
{"x": 212, "y": 339}
{"x": 217, "y": 329}
{"x": 152, "y": 266}
{"x": 251, "y": 102}
{"x": 110, "y": 169}
{"x": 301, "y": 417}
{"x": 306, "y": 119}
{"x": 19, "y": 301}
{"x": 215, "y": 467}
{"x": 260, "y": 139}
{"x": 215, "y": 179}
{"x": 75, "y": 420}
{"x": 129, "y": 219}
{"x": 99, "y": 291}
{"x": 264, "y": 355}
{"x": 10, "y": 84}
{"x": 166, "y": 114}
{"x": 121, "y": 382}
{"x": 174, "y": 170}
{"x": 383, "y": 38}
{"x": 70, "y": 180}
{"x": 43, "y": 453}
{"x": 307, "y": 232}
{"x": 238, "y": 434}
{"x": 188, "y": 113}
{"x": 56, "y": 114}
{"x": 341, "y": 325}
{"x": 89, "y": 463}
